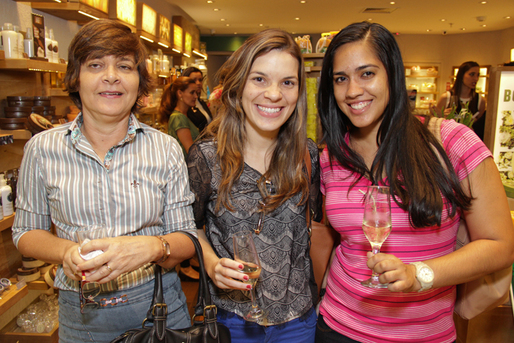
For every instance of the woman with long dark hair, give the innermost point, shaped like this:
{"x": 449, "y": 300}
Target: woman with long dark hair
{"x": 373, "y": 139}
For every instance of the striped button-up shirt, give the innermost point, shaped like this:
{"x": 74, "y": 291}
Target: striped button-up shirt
{"x": 141, "y": 188}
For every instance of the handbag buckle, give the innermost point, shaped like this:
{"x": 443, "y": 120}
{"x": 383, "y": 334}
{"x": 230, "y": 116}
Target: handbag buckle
{"x": 210, "y": 307}
{"x": 160, "y": 305}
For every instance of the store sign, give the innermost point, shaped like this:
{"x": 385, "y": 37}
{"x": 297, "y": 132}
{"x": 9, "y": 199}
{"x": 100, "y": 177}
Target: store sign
{"x": 177, "y": 37}
{"x": 164, "y": 28}
{"x": 126, "y": 11}
{"x": 149, "y": 23}
{"x": 101, "y": 5}
{"x": 188, "y": 44}
{"x": 503, "y": 150}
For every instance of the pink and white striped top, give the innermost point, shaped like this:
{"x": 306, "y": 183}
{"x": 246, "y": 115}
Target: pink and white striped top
{"x": 369, "y": 315}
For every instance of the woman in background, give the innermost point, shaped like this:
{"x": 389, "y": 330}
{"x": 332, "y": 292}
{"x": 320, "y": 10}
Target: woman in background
{"x": 462, "y": 94}
{"x": 249, "y": 174}
{"x": 372, "y": 138}
{"x": 176, "y": 100}
{"x": 200, "y": 113}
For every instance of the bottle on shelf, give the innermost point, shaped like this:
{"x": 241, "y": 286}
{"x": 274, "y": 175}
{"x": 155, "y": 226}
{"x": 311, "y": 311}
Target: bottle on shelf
{"x": 48, "y": 46}
{"x": 7, "y": 200}
{"x": 28, "y": 43}
{"x": 10, "y": 41}
{"x": 16, "y": 29}
{"x": 55, "y": 47}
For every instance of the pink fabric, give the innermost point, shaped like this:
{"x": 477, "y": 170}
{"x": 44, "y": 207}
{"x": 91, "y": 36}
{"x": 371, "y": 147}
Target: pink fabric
{"x": 369, "y": 315}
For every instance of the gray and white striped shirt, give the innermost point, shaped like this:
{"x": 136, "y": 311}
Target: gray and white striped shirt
{"x": 141, "y": 188}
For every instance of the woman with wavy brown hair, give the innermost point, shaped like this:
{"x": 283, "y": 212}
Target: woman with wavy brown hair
{"x": 249, "y": 173}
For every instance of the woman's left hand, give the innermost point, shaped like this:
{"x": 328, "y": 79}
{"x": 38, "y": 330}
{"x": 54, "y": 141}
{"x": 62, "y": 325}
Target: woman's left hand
{"x": 121, "y": 255}
{"x": 400, "y": 276}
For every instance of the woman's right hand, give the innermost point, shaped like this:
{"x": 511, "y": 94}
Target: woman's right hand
{"x": 227, "y": 274}
{"x": 70, "y": 261}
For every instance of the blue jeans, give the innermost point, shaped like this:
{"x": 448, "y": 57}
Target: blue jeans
{"x": 299, "y": 330}
{"x": 106, "y": 323}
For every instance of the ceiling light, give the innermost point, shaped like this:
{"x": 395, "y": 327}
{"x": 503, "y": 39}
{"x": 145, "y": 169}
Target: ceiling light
{"x": 199, "y": 54}
{"x": 210, "y": 1}
{"x": 177, "y": 51}
{"x": 89, "y": 15}
{"x": 463, "y": 29}
{"x": 392, "y": 3}
{"x": 484, "y": 25}
{"x": 222, "y": 19}
{"x": 370, "y": 19}
{"x": 483, "y": 2}
{"x": 216, "y": 9}
{"x": 227, "y": 24}
{"x": 443, "y": 19}
{"x": 235, "y": 33}
{"x": 303, "y": 2}
{"x": 147, "y": 39}
{"x": 507, "y": 17}
{"x": 296, "y": 18}
{"x": 428, "y": 30}
{"x": 164, "y": 45}
{"x": 187, "y": 55}
{"x": 261, "y": 24}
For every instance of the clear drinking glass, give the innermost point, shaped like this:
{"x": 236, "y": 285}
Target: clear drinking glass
{"x": 246, "y": 254}
{"x": 376, "y": 224}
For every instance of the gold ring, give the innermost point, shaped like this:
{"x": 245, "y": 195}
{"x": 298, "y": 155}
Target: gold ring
{"x": 110, "y": 270}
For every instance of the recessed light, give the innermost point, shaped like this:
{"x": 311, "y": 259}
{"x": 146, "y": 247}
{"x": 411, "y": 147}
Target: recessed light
{"x": 428, "y": 30}
{"x": 303, "y": 2}
{"x": 227, "y": 24}
{"x": 370, "y": 19}
{"x": 297, "y": 18}
{"x": 210, "y": 1}
{"x": 392, "y": 2}
{"x": 261, "y": 24}
{"x": 443, "y": 19}
{"x": 463, "y": 29}
{"x": 484, "y": 25}
{"x": 483, "y": 2}
{"x": 216, "y": 9}
{"x": 222, "y": 19}
{"x": 507, "y": 17}
{"x": 235, "y": 33}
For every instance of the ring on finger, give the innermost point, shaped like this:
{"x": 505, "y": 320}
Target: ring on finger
{"x": 109, "y": 268}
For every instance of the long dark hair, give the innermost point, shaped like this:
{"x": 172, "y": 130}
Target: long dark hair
{"x": 457, "y": 87}
{"x": 170, "y": 99}
{"x": 405, "y": 154}
{"x": 228, "y": 128}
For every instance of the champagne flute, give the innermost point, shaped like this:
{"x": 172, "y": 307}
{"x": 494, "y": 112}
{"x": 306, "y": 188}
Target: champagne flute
{"x": 376, "y": 224}
{"x": 246, "y": 254}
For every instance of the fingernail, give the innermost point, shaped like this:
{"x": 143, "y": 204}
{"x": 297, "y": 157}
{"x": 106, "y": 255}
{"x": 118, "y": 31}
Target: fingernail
{"x": 241, "y": 267}
{"x": 248, "y": 286}
{"x": 246, "y": 277}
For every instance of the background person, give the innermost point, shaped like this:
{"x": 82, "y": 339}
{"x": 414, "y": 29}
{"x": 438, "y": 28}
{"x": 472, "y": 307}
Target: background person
{"x": 106, "y": 168}
{"x": 372, "y": 139}
{"x": 254, "y": 153}
{"x": 200, "y": 113}
{"x": 462, "y": 93}
{"x": 176, "y": 101}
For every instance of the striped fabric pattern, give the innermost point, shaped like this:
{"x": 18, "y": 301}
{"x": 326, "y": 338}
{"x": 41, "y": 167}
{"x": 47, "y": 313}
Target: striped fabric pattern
{"x": 369, "y": 315}
{"x": 141, "y": 188}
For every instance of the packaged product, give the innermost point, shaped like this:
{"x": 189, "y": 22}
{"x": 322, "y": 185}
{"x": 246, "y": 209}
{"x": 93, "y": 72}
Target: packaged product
{"x": 304, "y": 43}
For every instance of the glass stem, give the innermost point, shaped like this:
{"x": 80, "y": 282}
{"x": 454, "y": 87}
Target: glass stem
{"x": 252, "y": 296}
{"x": 375, "y": 249}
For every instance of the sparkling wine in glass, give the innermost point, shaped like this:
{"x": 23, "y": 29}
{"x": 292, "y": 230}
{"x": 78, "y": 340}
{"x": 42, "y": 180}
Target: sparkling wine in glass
{"x": 246, "y": 254}
{"x": 376, "y": 224}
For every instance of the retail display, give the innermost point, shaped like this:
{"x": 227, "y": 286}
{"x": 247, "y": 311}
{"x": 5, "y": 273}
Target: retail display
{"x": 10, "y": 41}
{"x": 423, "y": 80}
{"x": 28, "y": 43}
{"x": 7, "y": 199}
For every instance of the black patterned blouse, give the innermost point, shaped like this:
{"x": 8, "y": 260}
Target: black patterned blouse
{"x": 286, "y": 287}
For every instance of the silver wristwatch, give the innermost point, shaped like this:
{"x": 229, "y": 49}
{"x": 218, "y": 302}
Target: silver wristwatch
{"x": 425, "y": 275}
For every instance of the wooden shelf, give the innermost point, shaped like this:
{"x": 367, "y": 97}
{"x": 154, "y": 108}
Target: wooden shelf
{"x": 12, "y": 296}
{"x": 32, "y": 65}
{"x": 311, "y": 69}
{"x": 69, "y": 11}
{"x": 6, "y": 223}
{"x": 314, "y": 55}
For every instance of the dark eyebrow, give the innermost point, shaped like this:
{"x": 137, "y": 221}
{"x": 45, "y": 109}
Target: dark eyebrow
{"x": 358, "y": 69}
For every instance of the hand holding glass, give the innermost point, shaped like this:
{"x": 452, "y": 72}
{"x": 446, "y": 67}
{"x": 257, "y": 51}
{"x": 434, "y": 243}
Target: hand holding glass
{"x": 246, "y": 254}
{"x": 376, "y": 224}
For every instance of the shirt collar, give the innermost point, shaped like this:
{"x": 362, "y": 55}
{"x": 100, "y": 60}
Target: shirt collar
{"x": 134, "y": 127}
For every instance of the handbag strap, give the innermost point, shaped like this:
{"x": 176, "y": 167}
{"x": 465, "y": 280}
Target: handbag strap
{"x": 204, "y": 307}
{"x": 308, "y": 163}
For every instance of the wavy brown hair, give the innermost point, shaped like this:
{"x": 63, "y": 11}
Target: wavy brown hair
{"x": 100, "y": 38}
{"x": 228, "y": 128}
{"x": 169, "y": 97}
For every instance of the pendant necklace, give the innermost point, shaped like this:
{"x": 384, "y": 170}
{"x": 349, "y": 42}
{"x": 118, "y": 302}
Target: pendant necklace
{"x": 258, "y": 229}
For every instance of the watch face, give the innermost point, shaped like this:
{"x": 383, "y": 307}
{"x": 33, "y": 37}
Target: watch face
{"x": 426, "y": 274}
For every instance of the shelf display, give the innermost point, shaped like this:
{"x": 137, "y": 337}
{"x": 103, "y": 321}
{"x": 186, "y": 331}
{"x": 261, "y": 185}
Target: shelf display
{"x": 422, "y": 80}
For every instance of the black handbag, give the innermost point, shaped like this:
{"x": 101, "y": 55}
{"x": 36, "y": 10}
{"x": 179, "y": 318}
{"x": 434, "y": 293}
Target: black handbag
{"x": 206, "y": 331}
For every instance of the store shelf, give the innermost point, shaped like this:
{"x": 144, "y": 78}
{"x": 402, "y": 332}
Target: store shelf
{"x": 6, "y": 223}
{"x": 17, "y": 134}
{"x": 32, "y": 65}
{"x": 12, "y": 296}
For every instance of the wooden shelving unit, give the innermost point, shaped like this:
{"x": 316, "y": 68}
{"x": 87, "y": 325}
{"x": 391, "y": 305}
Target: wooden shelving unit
{"x": 6, "y": 223}
{"x": 32, "y": 65}
{"x": 12, "y": 296}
